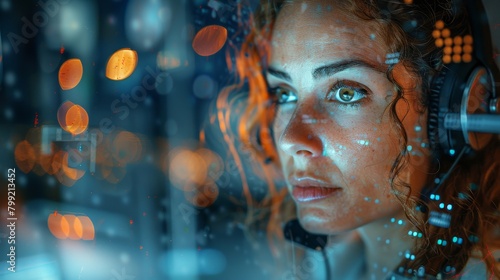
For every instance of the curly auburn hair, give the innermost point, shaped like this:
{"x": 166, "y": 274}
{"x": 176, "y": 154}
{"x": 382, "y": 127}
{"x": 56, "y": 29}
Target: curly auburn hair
{"x": 473, "y": 187}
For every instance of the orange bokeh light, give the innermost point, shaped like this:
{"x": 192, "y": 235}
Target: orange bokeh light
{"x": 51, "y": 163}
{"x": 467, "y": 49}
{"x": 445, "y": 33}
{"x": 209, "y": 40}
{"x": 203, "y": 195}
{"x": 111, "y": 171}
{"x": 439, "y": 42}
{"x": 70, "y": 73}
{"x": 467, "y": 57}
{"x": 121, "y": 64}
{"x": 25, "y": 156}
{"x": 186, "y": 167}
{"x": 446, "y": 59}
{"x": 165, "y": 62}
{"x": 77, "y": 120}
{"x": 71, "y": 173}
{"x": 88, "y": 231}
{"x": 71, "y": 227}
{"x": 55, "y": 225}
{"x": 72, "y": 118}
{"x": 126, "y": 147}
{"x": 439, "y": 24}
{"x": 468, "y": 39}
{"x": 61, "y": 113}
{"x": 214, "y": 163}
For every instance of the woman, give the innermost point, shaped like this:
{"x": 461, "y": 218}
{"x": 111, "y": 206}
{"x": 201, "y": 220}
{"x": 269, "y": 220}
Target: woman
{"x": 345, "y": 120}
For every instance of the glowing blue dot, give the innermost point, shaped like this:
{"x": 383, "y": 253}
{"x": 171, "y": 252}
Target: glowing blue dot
{"x": 437, "y": 197}
{"x": 407, "y": 255}
{"x": 419, "y": 234}
{"x": 444, "y": 243}
{"x": 473, "y": 239}
{"x": 393, "y": 220}
{"x": 415, "y": 233}
{"x": 410, "y": 232}
{"x": 423, "y": 145}
{"x": 449, "y": 207}
{"x": 432, "y": 196}
{"x": 455, "y": 239}
{"x": 387, "y": 241}
{"x": 439, "y": 242}
{"x": 412, "y": 258}
{"x": 452, "y": 152}
{"x": 460, "y": 240}
{"x": 418, "y": 128}
{"x": 400, "y": 222}
{"x": 377, "y": 201}
{"x": 367, "y": 199}
{"x": 409, "y": 148}
{"x": 437, "y": 180}
{"x": 441, "y": 205}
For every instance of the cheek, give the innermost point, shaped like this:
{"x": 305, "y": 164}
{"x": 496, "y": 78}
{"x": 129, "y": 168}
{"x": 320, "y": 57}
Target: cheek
{"x": 368, "y": 154}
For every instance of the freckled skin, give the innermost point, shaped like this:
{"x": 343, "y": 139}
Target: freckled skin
{"x": 330, "y": 149}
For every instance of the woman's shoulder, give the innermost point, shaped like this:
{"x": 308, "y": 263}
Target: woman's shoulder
{"x": 476, "y": 267}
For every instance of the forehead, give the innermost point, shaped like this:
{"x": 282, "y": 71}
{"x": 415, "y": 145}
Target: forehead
{"x": 321, "y": 31}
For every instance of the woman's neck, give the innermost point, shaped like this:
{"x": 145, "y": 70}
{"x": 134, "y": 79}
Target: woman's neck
{"x": 386, "y": 243}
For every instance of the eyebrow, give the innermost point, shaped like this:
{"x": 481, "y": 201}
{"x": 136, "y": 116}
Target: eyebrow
{"x": 331, "y": 69}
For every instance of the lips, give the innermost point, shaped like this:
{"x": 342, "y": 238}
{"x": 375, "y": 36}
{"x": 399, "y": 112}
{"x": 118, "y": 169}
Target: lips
{"x": 305, "y": 194}
{"x": 307, "y": 189}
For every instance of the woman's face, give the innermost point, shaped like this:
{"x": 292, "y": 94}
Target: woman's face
{"x": 335, "y": 140}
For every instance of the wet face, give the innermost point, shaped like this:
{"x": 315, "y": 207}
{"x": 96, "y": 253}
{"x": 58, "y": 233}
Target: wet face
{"x": 334, "y": 136}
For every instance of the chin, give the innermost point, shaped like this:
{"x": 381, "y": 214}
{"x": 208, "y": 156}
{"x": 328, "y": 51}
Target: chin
{"x": 319, "y": 223}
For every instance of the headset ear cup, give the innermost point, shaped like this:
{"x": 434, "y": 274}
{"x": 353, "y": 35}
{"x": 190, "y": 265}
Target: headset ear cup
{"x": 433, "y": 112}
{"x": 446, "y": 95}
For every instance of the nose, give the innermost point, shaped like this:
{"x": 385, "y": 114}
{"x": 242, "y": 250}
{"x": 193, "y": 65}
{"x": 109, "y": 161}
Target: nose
{"x": 301, "y": 136}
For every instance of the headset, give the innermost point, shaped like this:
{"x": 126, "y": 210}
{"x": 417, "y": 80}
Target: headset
{"x": 463, "y": 111}
{"x": 463, "y": 100}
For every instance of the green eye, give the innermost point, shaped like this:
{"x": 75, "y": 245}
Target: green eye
{"x": 346, "y": 94}
{"x": 282, "y": 96}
